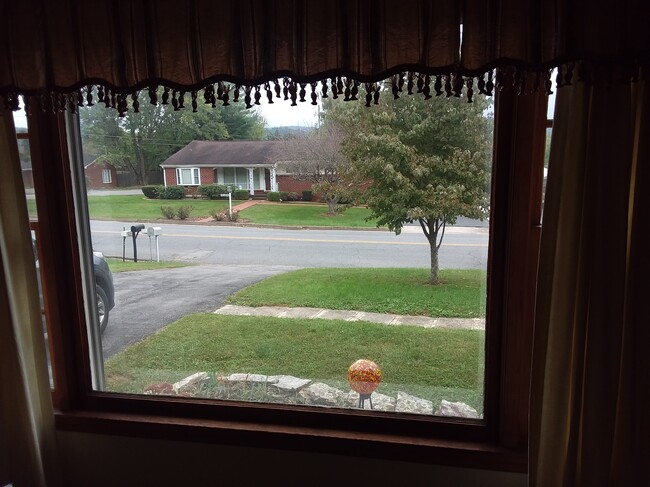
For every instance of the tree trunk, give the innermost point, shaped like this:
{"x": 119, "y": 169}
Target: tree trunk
{"x": 434, "y": 261}
{"x": 332, "y": 202}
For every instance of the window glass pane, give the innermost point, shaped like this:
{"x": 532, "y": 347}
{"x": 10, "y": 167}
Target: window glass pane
{"x": 229, "y": 175}
{"x": 549, "y": 132}
{"x": 276, "y": 307}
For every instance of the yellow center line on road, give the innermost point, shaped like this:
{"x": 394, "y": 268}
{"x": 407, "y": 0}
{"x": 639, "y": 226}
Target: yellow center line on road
{"x": 310, "y": 240}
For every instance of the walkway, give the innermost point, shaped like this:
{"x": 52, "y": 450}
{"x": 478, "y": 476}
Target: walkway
{"x": 246, "y": 204}
{"x": 331, "y": 314}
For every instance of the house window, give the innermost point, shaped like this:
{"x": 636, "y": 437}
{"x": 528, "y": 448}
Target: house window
{"x": 188, "y": 176}
{"x": 107, "y": 178}
{"x": 139, "y": 378}
{"x": 237, "y": 176}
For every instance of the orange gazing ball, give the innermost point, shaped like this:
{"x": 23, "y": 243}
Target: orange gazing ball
{"x": 364, "y": 376}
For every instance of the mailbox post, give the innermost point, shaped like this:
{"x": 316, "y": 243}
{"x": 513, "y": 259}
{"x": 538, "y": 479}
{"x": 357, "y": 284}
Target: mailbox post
{"x": 229, "y": 195}
{"x": 125, "y": 233}
{"x": 154, "y": 232}
{"x": 135, "y": 230}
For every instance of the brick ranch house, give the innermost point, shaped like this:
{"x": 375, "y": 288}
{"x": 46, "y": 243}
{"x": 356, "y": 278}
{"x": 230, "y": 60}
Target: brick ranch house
{"x": 253, "y": 165}
{"x": 100, "y": 174}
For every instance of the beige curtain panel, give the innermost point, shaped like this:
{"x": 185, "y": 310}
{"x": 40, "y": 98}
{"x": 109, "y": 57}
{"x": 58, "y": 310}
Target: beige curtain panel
{"x": 186, "y": 45}
{"x": 588, "y": 422}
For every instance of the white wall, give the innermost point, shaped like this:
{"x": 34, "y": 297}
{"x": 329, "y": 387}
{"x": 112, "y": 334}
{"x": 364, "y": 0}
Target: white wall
{"x": 101, "y": 460}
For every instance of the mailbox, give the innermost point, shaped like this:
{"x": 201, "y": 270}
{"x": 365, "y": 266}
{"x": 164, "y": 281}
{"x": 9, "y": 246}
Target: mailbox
{"x": 154, "y": 232}
{"x": 135, "y": 229}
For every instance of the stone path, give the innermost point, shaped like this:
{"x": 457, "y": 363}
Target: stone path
{"x": 331, "y": 314}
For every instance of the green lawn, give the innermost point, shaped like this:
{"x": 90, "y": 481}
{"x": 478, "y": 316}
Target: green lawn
{"x": 117, "y": 265}
{"x": 308, "y": 215}
{"x": 137, "y": 207}
{"x": 429, "y": 363}
{"x": 400, "y": 291}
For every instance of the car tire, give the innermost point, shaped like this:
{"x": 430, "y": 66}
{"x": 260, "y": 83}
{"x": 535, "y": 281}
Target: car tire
{"x": 102, "y": 308}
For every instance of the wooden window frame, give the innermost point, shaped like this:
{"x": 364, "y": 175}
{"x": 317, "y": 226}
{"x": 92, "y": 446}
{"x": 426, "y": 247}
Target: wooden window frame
{"x": 499, "y": 442}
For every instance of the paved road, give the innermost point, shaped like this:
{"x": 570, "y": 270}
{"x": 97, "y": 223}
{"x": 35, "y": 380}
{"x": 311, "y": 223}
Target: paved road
{"x": 463, "y": 247}
{"x": 145, "y": 301}
{"x": 235, "y": 257}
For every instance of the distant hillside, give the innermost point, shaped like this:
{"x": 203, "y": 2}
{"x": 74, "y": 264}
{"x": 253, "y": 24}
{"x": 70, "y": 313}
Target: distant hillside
{"x": 282, "y": 132}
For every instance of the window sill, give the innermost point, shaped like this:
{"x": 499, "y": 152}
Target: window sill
{"x": 283, "y": 437}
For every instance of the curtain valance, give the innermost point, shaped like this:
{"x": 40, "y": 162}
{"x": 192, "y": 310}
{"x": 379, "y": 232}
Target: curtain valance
{"x": 75, "y": 51}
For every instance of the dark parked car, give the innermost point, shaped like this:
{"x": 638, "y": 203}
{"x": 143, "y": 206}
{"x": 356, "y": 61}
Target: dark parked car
{"x": 103, "y": 286}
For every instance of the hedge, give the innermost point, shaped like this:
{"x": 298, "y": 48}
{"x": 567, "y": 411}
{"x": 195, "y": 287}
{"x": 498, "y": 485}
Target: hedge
{"x": 152, "y": 192}
{"x": 172, "y": 193}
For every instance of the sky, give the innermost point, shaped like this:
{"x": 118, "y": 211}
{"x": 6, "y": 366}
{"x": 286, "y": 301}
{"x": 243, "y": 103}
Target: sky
{"x": 282, "y": 114}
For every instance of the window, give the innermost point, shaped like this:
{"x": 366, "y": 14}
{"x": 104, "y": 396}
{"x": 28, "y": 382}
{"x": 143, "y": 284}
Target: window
{"x": 239, "y": 177}
{"x": 503, "y": 279}
{"x": 188, "y": 176}
{"x": 106, "y": 176}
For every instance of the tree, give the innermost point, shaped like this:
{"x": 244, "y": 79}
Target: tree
{"x": 422, "y": 160}
{"x": 316, "y": 156}
{"x": 140, "y": 142}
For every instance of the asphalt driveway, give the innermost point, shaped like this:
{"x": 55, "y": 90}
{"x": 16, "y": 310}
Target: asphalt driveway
{"x": 146, "y": 301}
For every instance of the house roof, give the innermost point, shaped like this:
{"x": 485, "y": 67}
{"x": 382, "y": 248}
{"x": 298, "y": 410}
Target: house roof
{"x": 227, "y": 153}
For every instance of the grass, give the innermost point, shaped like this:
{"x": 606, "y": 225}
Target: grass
{"x": 308, "y": 215}
{"x": 399, "y": 291}
{"x": 117, "y": 265}
{"x": 434, "y": 364}
{"x": 137, "y": 207}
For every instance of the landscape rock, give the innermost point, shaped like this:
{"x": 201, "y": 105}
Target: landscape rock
{"x": 323, "y": 395}
{"x": 288, "y": 383}
{"x": 456, "y": 409}
{"x": 190, "y": 381}
{"x": 407, "y": 403}
{"x": 250, "y": 378}
{"x": 380, "y": 402}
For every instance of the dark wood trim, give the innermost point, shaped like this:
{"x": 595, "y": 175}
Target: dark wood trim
{"x": 59, "y": 257}
{"x": 520, "y": 143}
{"x": 324, "y": 439}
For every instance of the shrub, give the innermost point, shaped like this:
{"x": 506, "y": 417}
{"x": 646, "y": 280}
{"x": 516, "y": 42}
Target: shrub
{"x": 152, "y": 192}
{"x": 223, "y": 216}
{"x": 293, "y": 196}
{"x": 307, "y": 195}
{"x": 240, "y": 194}
{"x": 168, "y": 212}
{"x": 213, "y": 191}
{"x": 273, "y": 196}
{"x": 172, "y": 193}
{"x": 182, "y": 212}
{"x": 284, "y": 195}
